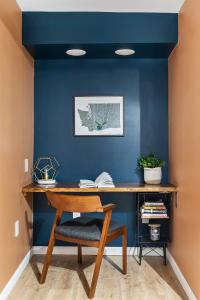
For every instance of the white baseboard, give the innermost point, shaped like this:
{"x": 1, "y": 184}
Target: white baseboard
{"x": 180, "y": 277}
{"x": 13, "y": 280}
{"x": 69, "y": 250}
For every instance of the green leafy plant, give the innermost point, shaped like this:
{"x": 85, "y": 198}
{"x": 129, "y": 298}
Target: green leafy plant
{"x": 150, "y": 161}
{"x": 100, "y": 125}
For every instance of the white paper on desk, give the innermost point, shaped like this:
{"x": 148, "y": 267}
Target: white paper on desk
{"x": 104, "y": 180}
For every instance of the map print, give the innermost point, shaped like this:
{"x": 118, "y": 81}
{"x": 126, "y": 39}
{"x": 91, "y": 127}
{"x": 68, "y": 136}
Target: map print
{"x": 100, "y": 116}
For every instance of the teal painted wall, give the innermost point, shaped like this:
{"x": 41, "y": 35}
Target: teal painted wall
{"x": 144, "y": 85}
{"x": 47, "y": 35}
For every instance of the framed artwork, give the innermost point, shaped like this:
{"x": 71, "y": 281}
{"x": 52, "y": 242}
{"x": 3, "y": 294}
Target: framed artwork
{"x": 99, "y": 116}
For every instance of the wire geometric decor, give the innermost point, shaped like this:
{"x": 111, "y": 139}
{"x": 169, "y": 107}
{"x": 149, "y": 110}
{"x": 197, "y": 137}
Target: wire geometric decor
{"x": 45, "y": 168}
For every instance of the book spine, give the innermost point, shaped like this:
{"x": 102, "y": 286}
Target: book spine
{"x": 154, "y": 216}
{"x": 154, "y": 207}
{"x": 154, "y": 211}
{"x": 157, "y": 213}
{"x": 153, "y": 203}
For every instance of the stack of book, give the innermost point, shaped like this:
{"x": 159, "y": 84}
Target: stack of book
{"x": 154, "y": 210}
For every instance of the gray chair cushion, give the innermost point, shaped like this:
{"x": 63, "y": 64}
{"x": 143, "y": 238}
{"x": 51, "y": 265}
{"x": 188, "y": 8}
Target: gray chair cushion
{"x": 85, "y": 228}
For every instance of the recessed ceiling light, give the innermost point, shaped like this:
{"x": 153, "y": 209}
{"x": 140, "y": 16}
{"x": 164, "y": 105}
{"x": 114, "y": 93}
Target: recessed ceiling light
{"x": 124, "y": 52}
{"x": 76, "y": 52}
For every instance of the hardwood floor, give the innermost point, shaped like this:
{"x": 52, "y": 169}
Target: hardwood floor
{"x": 66, "y": 280}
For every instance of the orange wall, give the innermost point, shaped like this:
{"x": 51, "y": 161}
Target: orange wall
{"x": 184, "y": 137}
{"x": 16, "y": 135}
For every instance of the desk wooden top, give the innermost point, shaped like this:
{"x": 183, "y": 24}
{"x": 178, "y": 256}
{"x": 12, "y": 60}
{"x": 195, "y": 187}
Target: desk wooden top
{"x": 119, "y": 187}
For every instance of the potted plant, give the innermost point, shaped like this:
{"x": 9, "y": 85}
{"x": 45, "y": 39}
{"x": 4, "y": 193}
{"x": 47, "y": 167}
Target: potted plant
{"x": 152, "y": 166}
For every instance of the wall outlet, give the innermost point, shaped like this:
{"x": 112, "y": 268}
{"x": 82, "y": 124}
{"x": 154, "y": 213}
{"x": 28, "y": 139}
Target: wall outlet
{"x": 76, "y": 215}
{"x": 26, "y": 165}
{"x": 17, "y": 228}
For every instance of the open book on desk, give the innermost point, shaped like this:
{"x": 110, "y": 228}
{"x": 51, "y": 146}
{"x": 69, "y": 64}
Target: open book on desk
{"x": 104, "y": 180}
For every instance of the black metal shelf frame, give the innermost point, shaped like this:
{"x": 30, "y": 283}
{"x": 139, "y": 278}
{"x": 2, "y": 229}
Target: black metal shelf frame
{"x": 143, "y": 236}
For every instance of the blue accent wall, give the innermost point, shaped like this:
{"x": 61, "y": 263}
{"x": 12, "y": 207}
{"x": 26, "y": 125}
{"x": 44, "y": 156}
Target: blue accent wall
{"x": 48, "y": 35}
{"x": 143, "y": 83}
{"x": 99, "y": 27}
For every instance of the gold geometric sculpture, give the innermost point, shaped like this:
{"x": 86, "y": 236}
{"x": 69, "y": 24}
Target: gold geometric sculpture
{"x": 45, "y": 168}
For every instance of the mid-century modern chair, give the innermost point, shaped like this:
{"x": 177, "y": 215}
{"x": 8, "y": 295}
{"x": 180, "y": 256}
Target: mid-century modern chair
{"x": 84, "y": 230}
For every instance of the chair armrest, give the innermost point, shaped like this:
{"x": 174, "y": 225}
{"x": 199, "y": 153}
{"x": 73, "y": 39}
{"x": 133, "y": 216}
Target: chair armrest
{"x": 106, "y": 207}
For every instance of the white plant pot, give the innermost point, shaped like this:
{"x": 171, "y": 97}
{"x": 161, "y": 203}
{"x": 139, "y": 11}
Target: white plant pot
{"x": 152, "y": 175}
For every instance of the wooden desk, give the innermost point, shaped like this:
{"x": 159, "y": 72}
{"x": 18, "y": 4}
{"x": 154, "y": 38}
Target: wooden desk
{"x": 119, "y": 188}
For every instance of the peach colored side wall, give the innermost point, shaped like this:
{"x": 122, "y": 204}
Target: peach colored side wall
{"x": 184, "y": 137}
{"x": 16, "y": 139}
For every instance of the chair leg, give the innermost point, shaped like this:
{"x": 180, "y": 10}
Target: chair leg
{"x": 96, "y": 272}
{"x": 124, "y": 254}
{"x": 47, "y": 260}
{"x": 79, "y": 254}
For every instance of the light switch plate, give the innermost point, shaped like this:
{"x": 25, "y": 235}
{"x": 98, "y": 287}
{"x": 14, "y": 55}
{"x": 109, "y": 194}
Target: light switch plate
{"x": 26, "y": 165}
{"x": 17, "y": 228}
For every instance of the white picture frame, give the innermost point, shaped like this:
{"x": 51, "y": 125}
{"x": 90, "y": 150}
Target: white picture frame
{"x": 99, "y": 116}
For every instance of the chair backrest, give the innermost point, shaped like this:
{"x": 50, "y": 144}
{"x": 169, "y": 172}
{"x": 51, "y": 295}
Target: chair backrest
{"x": 74, "y": 203}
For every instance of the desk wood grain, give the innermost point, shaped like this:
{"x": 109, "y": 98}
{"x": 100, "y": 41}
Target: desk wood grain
{"x": 119, "y": 188}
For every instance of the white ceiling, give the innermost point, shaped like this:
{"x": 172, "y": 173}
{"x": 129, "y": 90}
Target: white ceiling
{"x": 162, "y": 6}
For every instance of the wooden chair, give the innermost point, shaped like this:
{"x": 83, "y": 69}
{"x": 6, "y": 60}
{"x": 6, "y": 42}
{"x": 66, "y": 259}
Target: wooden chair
{"x": 84, "y": 230}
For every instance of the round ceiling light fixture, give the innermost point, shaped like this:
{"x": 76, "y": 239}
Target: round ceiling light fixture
{"x": 124, "y": 52}
{"x": 76, "y": 52}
